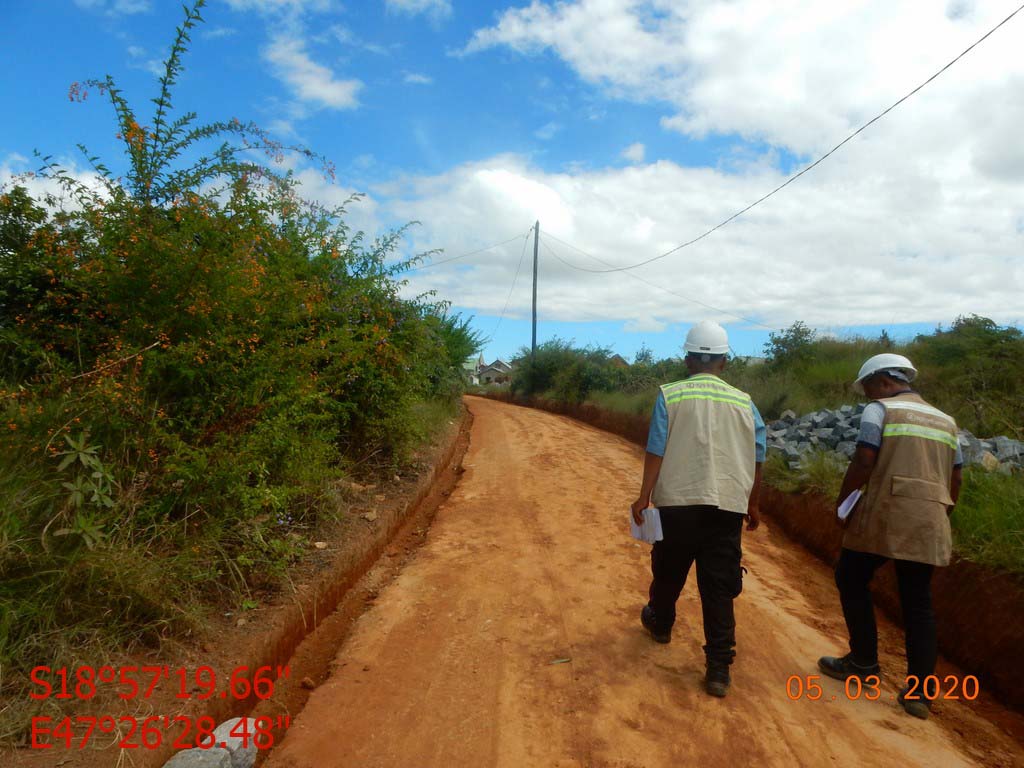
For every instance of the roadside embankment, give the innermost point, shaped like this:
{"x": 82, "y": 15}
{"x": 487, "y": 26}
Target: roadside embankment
{"x": 978, "y": 609}
{"x": 300, "y": 629}
{"x": 287, "y": 633}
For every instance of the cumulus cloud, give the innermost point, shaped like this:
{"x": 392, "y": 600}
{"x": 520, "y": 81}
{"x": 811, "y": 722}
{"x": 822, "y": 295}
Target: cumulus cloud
{"x": 634, "y": 153}
{"x": 362, "y": 215}
{"x": 915, "y": 220}
{"x": 16, "y": 170}
{"x": 309, "y": 81}
{"x": 837, "y": 248}
{"x": 798, "y": 78}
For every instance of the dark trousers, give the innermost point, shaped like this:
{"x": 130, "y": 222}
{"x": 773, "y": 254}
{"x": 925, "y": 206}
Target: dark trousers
{"x": 853, "y": 577}
{"x": 711, "y": 537}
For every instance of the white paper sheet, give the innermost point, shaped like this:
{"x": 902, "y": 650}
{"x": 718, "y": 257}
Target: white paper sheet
{"x": 848, "y": 504}
{"x": 650, "y": 531}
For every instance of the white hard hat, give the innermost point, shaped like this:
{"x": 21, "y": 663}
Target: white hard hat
{"x": 887, "y": 362}
{"x": 707, "y": 338}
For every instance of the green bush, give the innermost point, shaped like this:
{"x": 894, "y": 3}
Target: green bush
{"x": 189, "y": 358}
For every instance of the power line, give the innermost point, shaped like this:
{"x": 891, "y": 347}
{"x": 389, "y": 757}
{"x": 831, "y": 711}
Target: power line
{"x": 646, "y": 282}
{"x": 513, "y": 287}
{"x": 817, "y": 162}
{"x": 471, "y": 253}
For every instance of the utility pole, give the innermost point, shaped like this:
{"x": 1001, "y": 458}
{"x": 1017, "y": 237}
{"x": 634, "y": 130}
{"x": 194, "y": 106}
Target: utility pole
{"x": 536, "y": 240}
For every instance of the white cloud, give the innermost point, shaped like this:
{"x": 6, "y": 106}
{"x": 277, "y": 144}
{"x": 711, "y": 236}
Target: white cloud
{"x": 155, "y": 67}
{"x": 115, "y": 7}
{"x": 645, "y": 325}
{"x": 347, "y": 37}
{"x": 215, "y": 33}
{"x": 416, "y": 78}
{"x": 799, "y": 76}
{"x": 838, "y": 248}
{"x": 434, "y": 8}
{"x": 16, "y": 170}
{"x": 310, "y": 81}
{"x": 362, "y": 215}
{"x": 915, "y": 220}
{"x": 280, "y": 6}
{"x": 547, "y": 131}
{"x": 634, "y": 152}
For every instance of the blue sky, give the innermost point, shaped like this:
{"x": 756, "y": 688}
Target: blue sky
{"x": 625, "y": 126}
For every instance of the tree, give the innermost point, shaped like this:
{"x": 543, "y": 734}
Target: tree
{"x": 790, "y": 345}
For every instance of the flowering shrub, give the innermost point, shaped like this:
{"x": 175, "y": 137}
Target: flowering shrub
{"x": 188, "y": 356}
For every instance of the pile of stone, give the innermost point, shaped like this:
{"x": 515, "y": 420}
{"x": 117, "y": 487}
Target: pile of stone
{"x": 227, "y": 750}
{"x": 836, "y": 430}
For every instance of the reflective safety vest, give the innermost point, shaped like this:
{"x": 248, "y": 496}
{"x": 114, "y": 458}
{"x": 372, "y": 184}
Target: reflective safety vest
{"x": 903, "y": 514}
{"x": 710, "y": 451}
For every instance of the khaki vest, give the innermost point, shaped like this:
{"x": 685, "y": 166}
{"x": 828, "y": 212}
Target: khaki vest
{"x": 709, "y": 456}
{"x": 903, "y": 512}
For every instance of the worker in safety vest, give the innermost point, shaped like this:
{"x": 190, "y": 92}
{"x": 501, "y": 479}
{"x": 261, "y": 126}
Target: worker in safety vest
{"x": 702, "y": 471}
{"x": 908, "y": 455}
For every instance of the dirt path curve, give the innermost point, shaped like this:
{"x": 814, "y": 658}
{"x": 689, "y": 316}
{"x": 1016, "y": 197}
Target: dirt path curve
{"x": 461, "y": 661}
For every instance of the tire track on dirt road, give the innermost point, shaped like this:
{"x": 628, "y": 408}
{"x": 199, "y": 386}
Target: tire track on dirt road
{"x": 512, "y": 638}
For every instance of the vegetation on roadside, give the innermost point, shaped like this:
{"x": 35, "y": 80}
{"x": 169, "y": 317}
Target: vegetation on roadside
{"x": 972, "y": 370}
{"x": 192, "y": 359}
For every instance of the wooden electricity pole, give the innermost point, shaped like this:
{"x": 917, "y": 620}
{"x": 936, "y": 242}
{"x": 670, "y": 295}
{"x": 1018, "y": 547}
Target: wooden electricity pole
{"x": 536, "y": 239}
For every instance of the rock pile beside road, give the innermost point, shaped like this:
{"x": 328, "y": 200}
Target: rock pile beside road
{"x": 836, "y": 430}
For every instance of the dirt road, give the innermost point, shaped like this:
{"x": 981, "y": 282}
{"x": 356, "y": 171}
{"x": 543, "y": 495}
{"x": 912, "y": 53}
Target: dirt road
{"x": 512, "y": 638}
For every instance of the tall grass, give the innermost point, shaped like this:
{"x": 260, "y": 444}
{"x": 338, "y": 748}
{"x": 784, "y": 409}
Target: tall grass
{"x": 819, "y": 472}
{"x": 988, "y": 521}
{"x": 634, "y": 404}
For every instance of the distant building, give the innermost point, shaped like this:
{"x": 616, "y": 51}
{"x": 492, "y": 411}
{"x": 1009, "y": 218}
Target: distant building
{"x": 498, "y": 372}
{"x": 470, "y": 369}
{"x": 618, "y": 361}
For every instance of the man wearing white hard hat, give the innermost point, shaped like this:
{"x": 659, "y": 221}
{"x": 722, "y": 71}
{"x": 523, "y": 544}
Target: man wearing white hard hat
{"x": 702, "y": 471}
{"x": 908, "y": 455}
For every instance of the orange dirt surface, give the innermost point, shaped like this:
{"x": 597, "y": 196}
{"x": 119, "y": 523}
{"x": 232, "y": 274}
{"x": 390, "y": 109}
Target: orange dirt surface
{"x": 512, "y": 638}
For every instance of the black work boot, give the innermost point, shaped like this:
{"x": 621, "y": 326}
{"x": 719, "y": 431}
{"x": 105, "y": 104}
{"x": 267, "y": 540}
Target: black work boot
{"x": 919, "y": 707}
{"x": 717, "y": 680}
{"x": 844, "y": 667}
{"x": 648, "y": 620}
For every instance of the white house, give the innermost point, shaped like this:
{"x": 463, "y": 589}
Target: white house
{"x": 498, "y": 372}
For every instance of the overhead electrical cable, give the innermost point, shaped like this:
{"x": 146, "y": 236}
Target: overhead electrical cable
{"x": 515, "y": 277}
{"x": 817, "y": 162}
{"x": 646, "y": 282}
{"x": 471, "y": 253}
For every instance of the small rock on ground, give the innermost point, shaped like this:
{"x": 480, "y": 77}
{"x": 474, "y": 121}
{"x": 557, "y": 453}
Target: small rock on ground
{"x": 243, "y": 752}
{"x": 201, "y": 758}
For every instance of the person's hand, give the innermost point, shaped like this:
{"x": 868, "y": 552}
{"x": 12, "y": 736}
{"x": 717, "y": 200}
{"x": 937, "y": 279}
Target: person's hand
{"x": 753, "y": 516}
{"x": 637, "y": 509}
